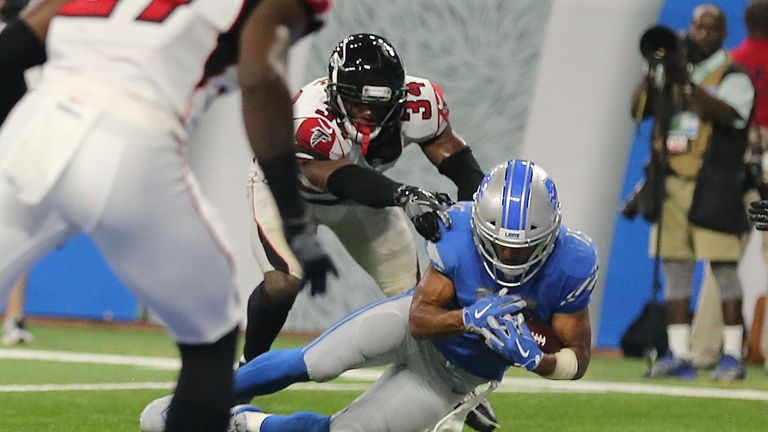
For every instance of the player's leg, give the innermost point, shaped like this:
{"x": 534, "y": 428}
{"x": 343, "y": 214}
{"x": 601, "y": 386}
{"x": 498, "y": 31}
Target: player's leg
{"x": 247, "y": 418}
{"x": 26, "y": 233}
{"x": 374, "y": 335}
{"x": 166, "y": 243}
{"x": 14, "y": 327}
{"x": 402, "y": 399}
{"x": 273, "y": 298}
{"x": 380, "y": 240}
{"x": 411, "y": 396}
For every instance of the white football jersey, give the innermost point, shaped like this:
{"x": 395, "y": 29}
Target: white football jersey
{"x": 158, "y": 50}
{"x": 319, "y": 136}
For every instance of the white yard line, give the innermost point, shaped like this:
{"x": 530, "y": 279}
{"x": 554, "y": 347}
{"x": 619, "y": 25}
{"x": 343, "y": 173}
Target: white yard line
{"x": 161, "y": 363}
{"x": 86, "y": 387}
{"x": 509, "y": 385}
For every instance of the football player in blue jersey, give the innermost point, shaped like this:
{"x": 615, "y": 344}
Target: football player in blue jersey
{"x": 460, "y": 327}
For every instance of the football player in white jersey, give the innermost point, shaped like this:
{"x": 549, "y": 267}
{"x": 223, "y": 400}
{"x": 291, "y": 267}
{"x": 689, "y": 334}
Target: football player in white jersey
{"x": 98, "y": 148}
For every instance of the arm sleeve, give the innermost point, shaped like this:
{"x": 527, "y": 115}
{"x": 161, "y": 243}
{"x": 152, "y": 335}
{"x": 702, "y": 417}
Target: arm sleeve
{"x": 462, "y": 168}
{"x": 363, "y": 185}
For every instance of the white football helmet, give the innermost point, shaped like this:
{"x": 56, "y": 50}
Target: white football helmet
{"x": 515, "y": 207}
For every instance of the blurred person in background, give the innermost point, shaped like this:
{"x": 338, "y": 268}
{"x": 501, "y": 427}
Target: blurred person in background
{"x": 14, "y": 86}
{"x": 752, "y": 53}
{"x": 703, "y": 210}
{"x": 14, "y": 327}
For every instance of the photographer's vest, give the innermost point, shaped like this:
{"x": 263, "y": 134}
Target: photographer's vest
{"x": 714, "y": 159}
{"x": 687, "y": 164}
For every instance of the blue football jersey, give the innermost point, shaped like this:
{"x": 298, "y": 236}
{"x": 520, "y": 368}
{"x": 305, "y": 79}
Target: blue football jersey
{"x": 563, "y": 285}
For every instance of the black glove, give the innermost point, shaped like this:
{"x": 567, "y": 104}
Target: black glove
{"x": 424, "y": 208}
{"x": 758, "y": 214}
{"x": 315, "y": 262}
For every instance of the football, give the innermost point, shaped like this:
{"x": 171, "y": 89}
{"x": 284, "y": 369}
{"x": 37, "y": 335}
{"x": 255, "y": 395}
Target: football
{"x": 542, "y": 332}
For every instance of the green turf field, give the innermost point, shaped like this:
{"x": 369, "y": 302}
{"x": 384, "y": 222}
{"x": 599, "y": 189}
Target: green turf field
{"x": 64, "y": 382}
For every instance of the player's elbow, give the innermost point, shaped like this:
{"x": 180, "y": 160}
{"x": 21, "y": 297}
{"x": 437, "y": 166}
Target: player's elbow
{"x": 417, "y": 325}
{"x": 417, "y": 330}
{"x": 259, "y": 78}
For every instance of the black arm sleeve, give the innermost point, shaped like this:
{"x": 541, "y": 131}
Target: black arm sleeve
{"x": 363, "y": 185}
{"x": 462, "y": 168}
{"x": 20, "y": 50}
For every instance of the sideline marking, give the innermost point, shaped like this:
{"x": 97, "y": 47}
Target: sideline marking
{"x": 513, "y": 385}
{"x": 161, "y": 363}
{"x": 509, "y": 385}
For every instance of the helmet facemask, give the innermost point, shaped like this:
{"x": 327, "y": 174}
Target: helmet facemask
{"x": 516, "y": 208}
{"x": 366, "y": 87}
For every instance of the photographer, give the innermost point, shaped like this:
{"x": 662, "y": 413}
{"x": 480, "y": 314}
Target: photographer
{"x": 702, "y": 103}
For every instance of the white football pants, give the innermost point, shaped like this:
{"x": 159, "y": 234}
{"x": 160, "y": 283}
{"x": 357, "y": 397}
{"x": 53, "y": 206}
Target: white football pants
{"x": 78, "y": 159}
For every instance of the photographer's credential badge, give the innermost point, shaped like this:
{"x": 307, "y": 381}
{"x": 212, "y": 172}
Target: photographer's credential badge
{"x": 683, "y": 129}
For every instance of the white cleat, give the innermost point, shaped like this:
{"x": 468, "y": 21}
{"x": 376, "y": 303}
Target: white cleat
{"x": 155, "y": 414}
{"x": 246, "y": 418}
{"x": 14, "y": 333}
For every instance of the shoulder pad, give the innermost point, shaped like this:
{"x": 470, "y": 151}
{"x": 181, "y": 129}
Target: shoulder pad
{"x": 576, "y": 254}
{"x": 425, "y": 113}
{"x": 316, "y": 137}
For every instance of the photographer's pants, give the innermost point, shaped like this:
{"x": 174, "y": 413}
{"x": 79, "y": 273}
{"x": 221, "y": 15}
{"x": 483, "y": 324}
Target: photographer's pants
{"x": 682, "y": 241}
{"x": 686, "y": 242}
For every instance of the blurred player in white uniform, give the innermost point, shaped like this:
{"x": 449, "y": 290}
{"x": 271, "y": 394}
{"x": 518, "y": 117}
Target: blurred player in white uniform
{"x": 99, "y": 148}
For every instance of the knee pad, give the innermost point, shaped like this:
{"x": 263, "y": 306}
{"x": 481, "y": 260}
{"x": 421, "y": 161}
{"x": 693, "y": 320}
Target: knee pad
{"x": 262, "y": 303}
{"x": 679, "y": 278}
{"x": 727, "y": 277}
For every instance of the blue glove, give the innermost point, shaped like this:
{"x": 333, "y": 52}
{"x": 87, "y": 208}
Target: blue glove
{"x": 511, "y": 338}
{"x": 476, "y": 316}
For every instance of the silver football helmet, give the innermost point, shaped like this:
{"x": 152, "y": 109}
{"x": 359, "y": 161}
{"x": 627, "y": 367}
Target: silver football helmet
{"x": 515, "y": 221}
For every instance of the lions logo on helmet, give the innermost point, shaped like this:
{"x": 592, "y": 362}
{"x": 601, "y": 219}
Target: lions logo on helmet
{"x": 365, "y": 74}
{"x": 515, "y": 221}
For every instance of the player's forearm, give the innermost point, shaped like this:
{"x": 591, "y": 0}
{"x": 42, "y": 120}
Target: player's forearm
{"x": 269, "y": 127}
{"x": 433, "y": 322}
{"x": 464, "y": 171}
{"x": 268, "y": 110}
{"x": 363, "y": 186}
